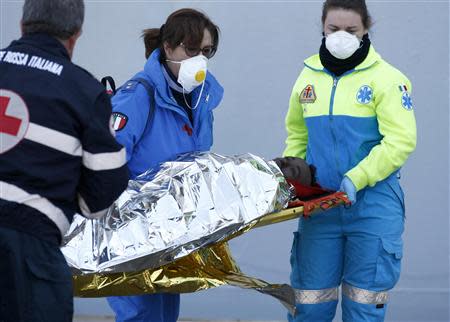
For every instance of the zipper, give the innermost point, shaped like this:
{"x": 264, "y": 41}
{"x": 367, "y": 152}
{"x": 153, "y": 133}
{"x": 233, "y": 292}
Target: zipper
{"x": 331, "y": 118}
{"x": 333, "y": 93}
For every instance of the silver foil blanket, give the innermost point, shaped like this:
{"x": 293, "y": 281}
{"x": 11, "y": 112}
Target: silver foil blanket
{"x": 164, "y": 215}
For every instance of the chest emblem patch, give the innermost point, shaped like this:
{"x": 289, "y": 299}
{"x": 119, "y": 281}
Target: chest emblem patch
{"x": 364, "y": 95}
{"x": 187, "y": 129}
{"x": 308, "y": 95}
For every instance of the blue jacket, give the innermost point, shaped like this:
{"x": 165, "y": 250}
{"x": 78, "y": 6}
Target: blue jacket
{"x": 169, "y": 131}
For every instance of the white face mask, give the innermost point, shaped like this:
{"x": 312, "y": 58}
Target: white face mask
{"x": 192, "y": 72}
{"x": 342, "y": 44}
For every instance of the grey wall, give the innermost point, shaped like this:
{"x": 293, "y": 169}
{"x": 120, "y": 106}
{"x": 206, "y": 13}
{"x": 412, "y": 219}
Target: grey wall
{"x": 261, "y": 53}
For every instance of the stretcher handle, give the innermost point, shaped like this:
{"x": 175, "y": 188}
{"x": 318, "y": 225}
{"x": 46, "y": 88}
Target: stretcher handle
{"x": 323, "y": 203}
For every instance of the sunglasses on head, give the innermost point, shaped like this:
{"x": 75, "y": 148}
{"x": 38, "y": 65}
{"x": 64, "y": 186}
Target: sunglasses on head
{"x": 207, "y": 51}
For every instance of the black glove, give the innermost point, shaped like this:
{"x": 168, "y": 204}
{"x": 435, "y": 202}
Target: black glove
{"x": 296, "y": 169}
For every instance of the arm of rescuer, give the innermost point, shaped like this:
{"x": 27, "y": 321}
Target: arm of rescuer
{"x": 297, "y": 138}
{"x": 397, "y": 125}
{"x": 104, "y": 174}
{"x": 132, "y": 104}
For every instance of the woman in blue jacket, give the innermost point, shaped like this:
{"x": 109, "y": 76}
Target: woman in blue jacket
{"x": 165, "y": 110}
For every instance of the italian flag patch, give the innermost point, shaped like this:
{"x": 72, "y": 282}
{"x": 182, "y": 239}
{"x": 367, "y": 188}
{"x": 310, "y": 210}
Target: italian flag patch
{"x": 402, "y": 88}
{"x": 119, "y": 121}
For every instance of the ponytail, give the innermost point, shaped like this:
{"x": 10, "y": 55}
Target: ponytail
{"x": 152, "y": 40}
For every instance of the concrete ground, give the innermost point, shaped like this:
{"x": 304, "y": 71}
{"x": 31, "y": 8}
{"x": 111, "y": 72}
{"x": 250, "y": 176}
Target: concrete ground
{"x": 93, "y": 319}
{"x": 111, "y": 319}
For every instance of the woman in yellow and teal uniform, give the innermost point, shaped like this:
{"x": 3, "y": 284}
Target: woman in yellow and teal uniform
{"x": 351, "y": 116}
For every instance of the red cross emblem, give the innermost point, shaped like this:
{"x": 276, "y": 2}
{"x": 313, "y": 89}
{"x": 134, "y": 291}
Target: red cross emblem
{"x": 8, "y": 124}
{"x": 14, "y": 119}
{"x": 187, "y": 129}
{"x": 307, "y": 92}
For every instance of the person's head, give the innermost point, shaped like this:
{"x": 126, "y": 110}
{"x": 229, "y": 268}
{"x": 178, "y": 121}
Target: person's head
{"x": 62, "y": 19}
{"x": 185, "y": 34}
{"x": 351, "y": 16}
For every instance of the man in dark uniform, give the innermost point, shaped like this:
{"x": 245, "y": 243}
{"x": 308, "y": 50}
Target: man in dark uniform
{"x": 58, "y": 156}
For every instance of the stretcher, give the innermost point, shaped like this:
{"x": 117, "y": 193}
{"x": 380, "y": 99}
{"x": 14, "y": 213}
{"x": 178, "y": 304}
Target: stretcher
{"x": 208, "y": 267}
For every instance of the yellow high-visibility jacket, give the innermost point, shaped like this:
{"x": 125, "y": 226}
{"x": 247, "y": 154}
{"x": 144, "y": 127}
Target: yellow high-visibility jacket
{"x": 360, "y": 124}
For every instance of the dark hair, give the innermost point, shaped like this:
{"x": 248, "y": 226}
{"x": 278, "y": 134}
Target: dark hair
{"x": 59, "y": 18}
{"x": 182, "y": 26}
{"x": 356, "y": 5}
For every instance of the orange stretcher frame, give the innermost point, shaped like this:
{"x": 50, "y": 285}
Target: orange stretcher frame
{"x": 299, "y": 208}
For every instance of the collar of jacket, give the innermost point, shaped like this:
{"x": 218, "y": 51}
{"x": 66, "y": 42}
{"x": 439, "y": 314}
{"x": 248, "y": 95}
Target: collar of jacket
{"x": 372, "y": 58}
{"x": 44, "y": 42}
{"x": 153, "y": 71}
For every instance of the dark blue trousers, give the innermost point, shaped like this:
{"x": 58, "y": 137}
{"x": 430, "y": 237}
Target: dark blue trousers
{"x": 35, "y": 281}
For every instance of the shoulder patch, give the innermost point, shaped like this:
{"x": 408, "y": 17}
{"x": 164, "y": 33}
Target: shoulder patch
{"x": 119, "y": 121}
{"x": 130, "y": 86}
{"x": 407, "y": 101}
{"x": 308, "y": 95}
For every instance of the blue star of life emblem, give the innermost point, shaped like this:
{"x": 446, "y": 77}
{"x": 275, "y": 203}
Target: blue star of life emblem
{"x": 407, "y": 101}
{"x": 365, "y": 95}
